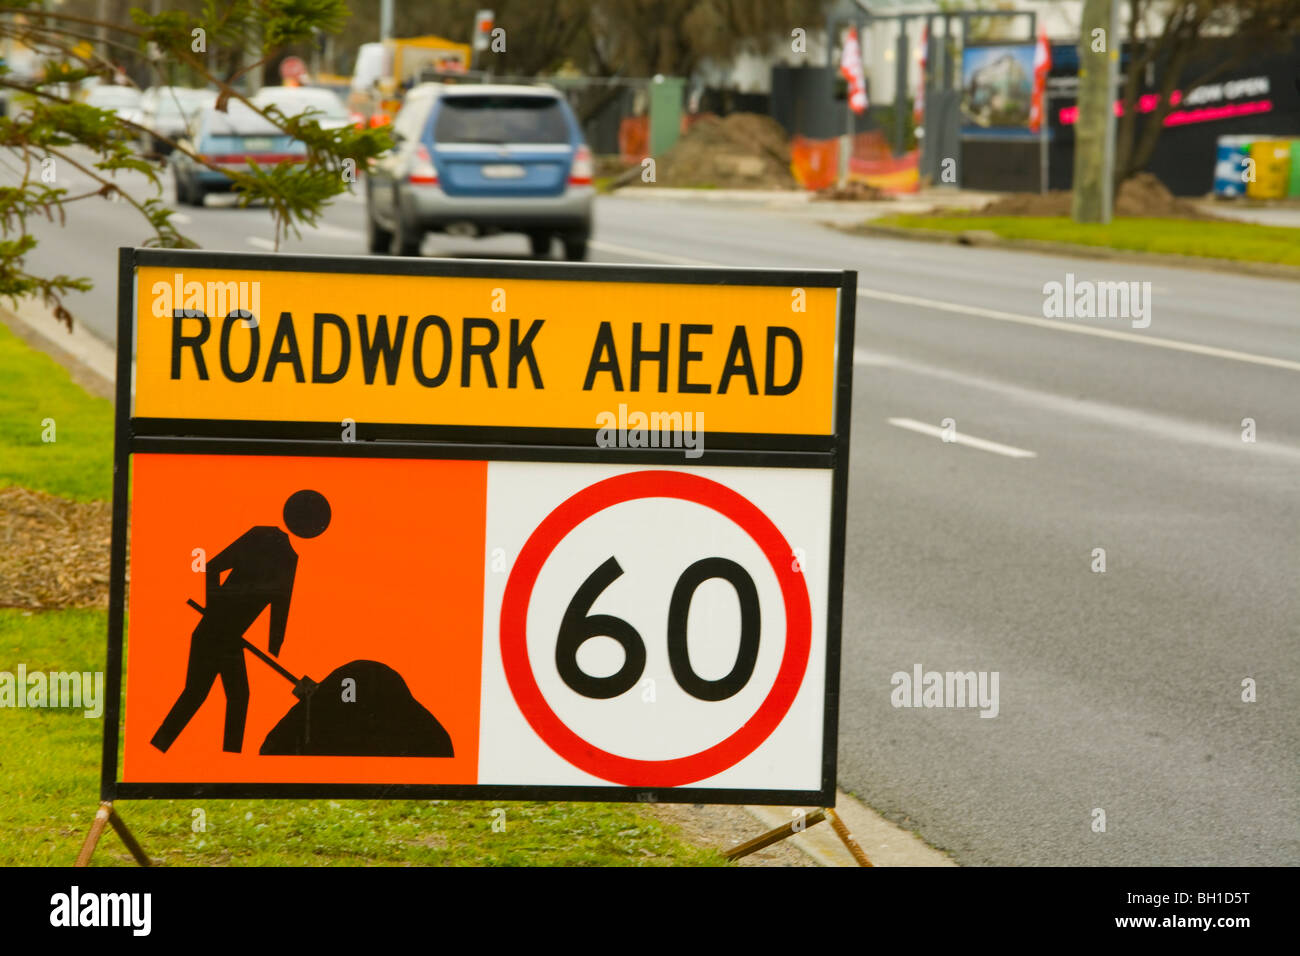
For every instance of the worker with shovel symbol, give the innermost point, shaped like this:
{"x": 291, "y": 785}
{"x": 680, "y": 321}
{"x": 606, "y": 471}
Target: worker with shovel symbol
{"x": 261, "y": 563}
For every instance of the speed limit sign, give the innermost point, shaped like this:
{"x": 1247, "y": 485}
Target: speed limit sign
{"x": 519, "y": 530}
{"x": 658, "y": 628}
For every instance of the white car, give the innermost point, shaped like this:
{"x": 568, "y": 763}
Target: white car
{"x": 329, "y": 110}
{"x": 124, "y": 101}
{"x": 167, "y": 111}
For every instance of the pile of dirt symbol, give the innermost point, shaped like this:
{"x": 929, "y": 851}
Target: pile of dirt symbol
{"x": 739, "y": 151}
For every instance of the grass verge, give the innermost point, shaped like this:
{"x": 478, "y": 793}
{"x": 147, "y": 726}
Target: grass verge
{"x": 1239, "y": 241}
{"x": 50, "y": 758}
{"x": 39, "y": 401}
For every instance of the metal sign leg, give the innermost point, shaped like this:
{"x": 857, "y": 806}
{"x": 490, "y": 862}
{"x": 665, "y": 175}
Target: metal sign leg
{"x": 847, "y": 838}
{"x": 798, "y": 826}
{"x": 104, "y": 816}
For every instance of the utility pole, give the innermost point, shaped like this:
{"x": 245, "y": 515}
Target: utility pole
{"x": 101, "y": 31}
{"x": 1094, "y": 129}
{"x": 902, "y": 54}
{"x": 385, "y": 19}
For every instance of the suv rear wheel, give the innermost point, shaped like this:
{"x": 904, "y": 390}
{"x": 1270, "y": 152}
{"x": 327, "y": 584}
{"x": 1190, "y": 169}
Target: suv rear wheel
{"x": 575, "y": 248}
{"x": 406, "y": 241}
{"x": 378, "y": 240}
{"x": 540, "y": 243}
{"x": 182, "y": 192}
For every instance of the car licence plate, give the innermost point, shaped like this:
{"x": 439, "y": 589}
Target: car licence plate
{"x": 503, "y": 171}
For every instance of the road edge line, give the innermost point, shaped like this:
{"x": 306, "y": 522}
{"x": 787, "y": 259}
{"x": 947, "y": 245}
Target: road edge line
{"x": 960, "y": 438}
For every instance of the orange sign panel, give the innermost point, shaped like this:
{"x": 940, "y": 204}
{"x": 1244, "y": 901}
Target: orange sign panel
{"x": 380, "y": 609}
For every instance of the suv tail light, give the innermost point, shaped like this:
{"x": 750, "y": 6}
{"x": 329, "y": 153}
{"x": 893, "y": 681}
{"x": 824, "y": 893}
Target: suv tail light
{"x": 580, "y": 174}
{"x": 422, "y": 170}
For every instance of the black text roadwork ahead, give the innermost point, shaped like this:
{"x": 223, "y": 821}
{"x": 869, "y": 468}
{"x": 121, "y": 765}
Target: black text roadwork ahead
{"x": 430, "y": 348}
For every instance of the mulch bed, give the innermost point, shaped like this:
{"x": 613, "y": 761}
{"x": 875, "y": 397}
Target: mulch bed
{"x": 53, "y": 552}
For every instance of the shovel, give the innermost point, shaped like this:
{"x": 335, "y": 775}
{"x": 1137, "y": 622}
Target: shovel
{"x": 303, "y": 687}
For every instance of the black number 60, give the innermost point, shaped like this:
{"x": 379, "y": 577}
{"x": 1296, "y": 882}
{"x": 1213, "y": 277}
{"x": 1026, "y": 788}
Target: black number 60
{"x": 577, "y": 627}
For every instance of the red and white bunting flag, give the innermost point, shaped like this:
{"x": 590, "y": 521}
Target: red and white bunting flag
{"x": 1042, "y": 66}
{"x": 851, "y": 68}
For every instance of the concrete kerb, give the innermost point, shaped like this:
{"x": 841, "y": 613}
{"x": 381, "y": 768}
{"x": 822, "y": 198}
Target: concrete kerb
{"x": 90, "y": 361}
{"x": 758, "y": 196}
{"x": 806, "y": 205}
{"x": 923, "y": 201}
{"x": 982, "y": 237}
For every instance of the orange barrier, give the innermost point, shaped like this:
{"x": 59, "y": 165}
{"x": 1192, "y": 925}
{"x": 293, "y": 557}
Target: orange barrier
{"x": 815, "y": 163}
{"x": 874, "y": 163}
{"x": 871, "y": 146}
{"x": 634, "y": 139}
{"x": 901, "y": 175}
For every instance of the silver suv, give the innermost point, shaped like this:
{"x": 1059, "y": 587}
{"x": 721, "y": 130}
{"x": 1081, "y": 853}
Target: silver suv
{"x": 476, "y": 160}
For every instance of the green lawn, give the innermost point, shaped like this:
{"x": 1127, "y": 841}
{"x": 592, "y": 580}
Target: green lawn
{"x": 50, "y": 759}
{"x": 1221, "y": 240}
{"x": 78, "y": 463}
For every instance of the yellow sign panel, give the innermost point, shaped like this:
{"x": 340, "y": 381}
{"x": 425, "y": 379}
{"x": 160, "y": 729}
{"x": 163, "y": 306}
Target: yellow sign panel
{"x": 406, "y": 349}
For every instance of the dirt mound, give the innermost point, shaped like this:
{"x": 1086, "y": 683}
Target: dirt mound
{"x": 1142, "y": 196}
{"x": 740, "y": 151}
{"x": 852, "y": 191}
{"x": 53, "y": 552}
{"x": 375, "y": 717}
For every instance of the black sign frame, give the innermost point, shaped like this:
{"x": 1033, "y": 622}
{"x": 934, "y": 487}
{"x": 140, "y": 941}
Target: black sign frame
{"x": 376, "y": 440}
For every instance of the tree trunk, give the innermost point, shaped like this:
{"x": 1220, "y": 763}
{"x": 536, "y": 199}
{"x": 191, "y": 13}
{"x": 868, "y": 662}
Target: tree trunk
{"x": 1094, "y": 130}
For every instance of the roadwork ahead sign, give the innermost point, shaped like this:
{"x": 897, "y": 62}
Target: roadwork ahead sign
{"x": 469, "y": 529}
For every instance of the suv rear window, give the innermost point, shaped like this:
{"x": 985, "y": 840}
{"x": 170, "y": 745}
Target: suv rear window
{"x": 500, "y": 119}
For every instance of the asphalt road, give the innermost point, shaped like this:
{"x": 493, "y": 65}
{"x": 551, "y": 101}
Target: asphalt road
{"x": 1119, "y": 690}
